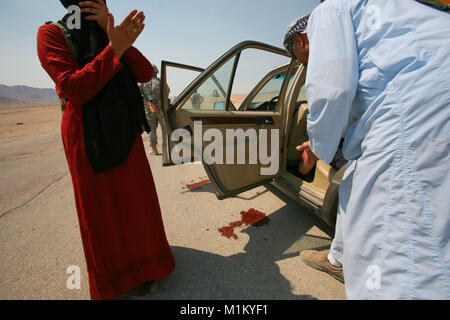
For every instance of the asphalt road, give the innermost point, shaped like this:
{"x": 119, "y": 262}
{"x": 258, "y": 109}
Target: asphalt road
{"x": 40, "y": 238}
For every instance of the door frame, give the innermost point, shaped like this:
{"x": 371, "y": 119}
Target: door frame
{"x": 178, "y": 103}
{"x": 167, "y": 109}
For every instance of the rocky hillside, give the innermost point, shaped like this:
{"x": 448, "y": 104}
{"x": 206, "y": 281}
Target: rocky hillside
{"x": 16, "y": 95}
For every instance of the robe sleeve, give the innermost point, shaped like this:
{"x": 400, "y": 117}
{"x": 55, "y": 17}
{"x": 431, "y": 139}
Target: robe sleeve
{"x": 80, "y": 85}
{"x": 332, "y": 79}
{"x": 139, "y": 65}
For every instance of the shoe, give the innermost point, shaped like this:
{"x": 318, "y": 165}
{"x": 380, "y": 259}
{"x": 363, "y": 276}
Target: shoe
{"x": 319, "y": 261}
{"x": 154, "y": 151}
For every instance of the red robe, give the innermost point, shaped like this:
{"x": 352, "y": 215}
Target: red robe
{"x": 118, "y": 211}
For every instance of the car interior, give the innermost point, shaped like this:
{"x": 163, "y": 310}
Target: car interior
{"x": 297, "y": 136}
{"x": 319, "y": 178}
{"x": 322, "y": 173}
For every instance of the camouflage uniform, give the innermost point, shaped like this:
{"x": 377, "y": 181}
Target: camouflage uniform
{"x": 151, "y": 91}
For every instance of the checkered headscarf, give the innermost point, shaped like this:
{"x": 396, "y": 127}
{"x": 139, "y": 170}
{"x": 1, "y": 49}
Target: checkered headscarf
{"x": 297, "y": 26}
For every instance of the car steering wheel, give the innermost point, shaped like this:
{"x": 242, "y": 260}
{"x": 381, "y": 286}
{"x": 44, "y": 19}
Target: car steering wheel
{"x": 272, "y": 102}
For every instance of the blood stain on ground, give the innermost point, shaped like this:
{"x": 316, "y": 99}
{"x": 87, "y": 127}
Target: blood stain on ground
{"x": 197, "y": 185}
{"x": 254, "y": 217}
{"x": 228, "y": 232}
{"x": 251, "y": 217}
{"x": 236, "y": 224}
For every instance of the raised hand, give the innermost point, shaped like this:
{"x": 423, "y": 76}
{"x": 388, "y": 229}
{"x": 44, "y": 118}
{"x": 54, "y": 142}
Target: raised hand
{"x": 99, "y": 12}
{"x": 125, "y": 34}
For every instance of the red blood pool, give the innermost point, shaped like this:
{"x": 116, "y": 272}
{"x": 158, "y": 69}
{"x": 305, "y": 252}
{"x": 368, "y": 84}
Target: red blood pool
{"x": 198, "y": 184}
{"x": 228, "y": 232}
{"x": 236, "y": 224}
{"x": 254, "y": 217}
{"x": 251, "y": 217}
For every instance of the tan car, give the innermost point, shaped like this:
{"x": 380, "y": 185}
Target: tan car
{"x": 220, "y": 97}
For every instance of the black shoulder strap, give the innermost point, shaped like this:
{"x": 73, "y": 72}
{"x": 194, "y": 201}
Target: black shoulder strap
{"x": 437, "y": 4}
{"x": 72, "y": 46}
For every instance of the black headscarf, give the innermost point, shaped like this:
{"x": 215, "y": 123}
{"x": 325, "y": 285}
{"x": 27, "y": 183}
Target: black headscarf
{"x": 114, "y": 117}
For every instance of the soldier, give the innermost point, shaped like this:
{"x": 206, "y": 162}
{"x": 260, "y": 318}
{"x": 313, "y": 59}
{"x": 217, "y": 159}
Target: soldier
{"x": 151, "y": 93}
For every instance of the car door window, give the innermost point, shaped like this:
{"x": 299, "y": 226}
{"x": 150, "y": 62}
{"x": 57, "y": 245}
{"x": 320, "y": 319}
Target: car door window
{"x": 178, "y": 79}
{"x": 212, "y": 93}
{"x": 258, "y": 80}
{"x": 268, "y": 95}
{"x": 237, "y": 80}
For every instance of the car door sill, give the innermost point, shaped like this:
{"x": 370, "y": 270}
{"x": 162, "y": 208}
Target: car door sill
{"x": 298, "y": 190}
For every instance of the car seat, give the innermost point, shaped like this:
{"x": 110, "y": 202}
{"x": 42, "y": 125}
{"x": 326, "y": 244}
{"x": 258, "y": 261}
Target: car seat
{"x": 298, "y": 133}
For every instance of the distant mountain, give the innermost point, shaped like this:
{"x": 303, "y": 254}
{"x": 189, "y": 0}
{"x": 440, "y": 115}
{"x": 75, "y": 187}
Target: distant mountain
{"x": 4, "y": 101}
{"x": 10, "y": 95}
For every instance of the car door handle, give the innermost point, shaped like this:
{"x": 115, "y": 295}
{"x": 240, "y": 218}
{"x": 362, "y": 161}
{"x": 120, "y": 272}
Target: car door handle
{"x": 264, "y": 120}
{"x": 250, "y": 120}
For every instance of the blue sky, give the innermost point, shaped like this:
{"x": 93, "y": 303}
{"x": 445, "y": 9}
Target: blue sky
{"x": 194, "y": 32}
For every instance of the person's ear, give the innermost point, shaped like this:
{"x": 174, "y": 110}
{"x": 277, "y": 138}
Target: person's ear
{"x": 305, "y": 39}
{"x": 299, "y": 40}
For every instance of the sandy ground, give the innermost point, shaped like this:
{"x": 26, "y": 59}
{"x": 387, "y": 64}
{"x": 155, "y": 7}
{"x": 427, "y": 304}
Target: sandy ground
{"x": 40, "y": 239}
{"x": 237, "y": 100}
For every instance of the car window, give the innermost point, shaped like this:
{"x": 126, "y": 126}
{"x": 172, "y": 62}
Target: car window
{"x": 246, "y": 72}
{"x": 178, "y": 79}
{"x": 211, "y": 94}
{"x": 256, "y": 68}
{"x": 267, "y": 97}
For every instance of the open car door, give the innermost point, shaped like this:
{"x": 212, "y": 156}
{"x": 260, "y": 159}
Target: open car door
{"x": 230, "y": 117}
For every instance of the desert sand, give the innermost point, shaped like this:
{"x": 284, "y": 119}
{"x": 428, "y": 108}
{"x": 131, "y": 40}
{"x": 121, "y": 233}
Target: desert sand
{"x": 23, "y": 120}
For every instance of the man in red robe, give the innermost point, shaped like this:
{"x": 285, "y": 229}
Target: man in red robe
{"x": 118, "y": 210}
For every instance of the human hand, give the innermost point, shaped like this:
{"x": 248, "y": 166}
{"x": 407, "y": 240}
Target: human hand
{"x": 308, "y": 158}
{"x": 99, "y": 12}
{"x": 125, "y": 34}
{"x": 306, "y": 146}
